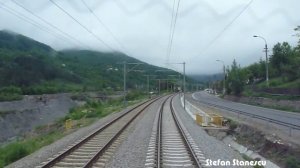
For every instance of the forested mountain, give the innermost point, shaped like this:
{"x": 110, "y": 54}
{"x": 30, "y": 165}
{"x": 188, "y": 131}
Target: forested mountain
{"x": 16, "y": 42}
{"x": 208, "y": 78}
{"x": 30, "y": 67}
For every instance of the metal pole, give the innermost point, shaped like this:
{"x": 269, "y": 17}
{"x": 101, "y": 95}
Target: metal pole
{"x": 266, "y": 51}
{"x": 267, "y": 68}
{"x": 148, "y": 87}
{"x": 167, "y": 86}
{"x": 158, "y": 86}
{"x": 124, "y": 84}
{"x": 224, "y": 80}
{"x": 184, "y": 85}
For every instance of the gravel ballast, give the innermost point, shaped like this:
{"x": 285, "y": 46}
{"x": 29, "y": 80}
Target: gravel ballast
{"x": 212, "y": 148}
{"x": 132, "y": 152}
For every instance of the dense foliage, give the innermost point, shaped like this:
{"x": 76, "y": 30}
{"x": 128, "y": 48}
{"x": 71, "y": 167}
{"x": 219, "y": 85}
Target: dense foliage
{"x": 236, "y": 79}
{"x": 35, "y": 68}
{"x": 284, "y": 70}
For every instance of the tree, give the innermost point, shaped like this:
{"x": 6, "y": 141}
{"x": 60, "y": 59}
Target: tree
{"x": 236, "y": 79}
{"x": 257, "y": 71}
{"x": 297, "y": 29}
{"x": 282, "y": 54}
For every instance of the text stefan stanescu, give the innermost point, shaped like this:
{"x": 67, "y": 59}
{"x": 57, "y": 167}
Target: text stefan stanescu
{"x": 234, "y": 162}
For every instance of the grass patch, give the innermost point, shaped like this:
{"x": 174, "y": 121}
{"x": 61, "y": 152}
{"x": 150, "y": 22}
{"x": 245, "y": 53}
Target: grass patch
{"x": 16, "y": 150}
{"x": 82, "y": 116}
{"x": 280, "y": 82}
{"x": 273, "y": 82}
{"x": 292, "y": 162}
{"x": 10, "y": 93}
{"x": 292, "y": 84}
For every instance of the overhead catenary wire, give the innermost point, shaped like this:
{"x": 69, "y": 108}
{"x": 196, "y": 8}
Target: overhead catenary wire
{"x": 173, "y": 31}
{"x": 84, "y": 27}
{"x": 172, "y": 37}
{"x": 170, "y": 33}
{"x": 28, "y": 20}
{"x": 66, "y": 35}
{"x": 225, "y": 28}
{"x": 105, "y": 27}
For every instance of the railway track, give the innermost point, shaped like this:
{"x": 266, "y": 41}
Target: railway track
{"x": 170, "y": 143}
{"x": 97, "y": 148}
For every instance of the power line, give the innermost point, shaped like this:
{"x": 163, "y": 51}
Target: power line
{"x": 226, "y": 27}
{"x": 102, "y": 23}
{"x": 48, "y": 23}
{"x": 84, "y": 27}
{"x": 170, "y": 33}
{"x": 28, "y": 20}
{"x": 174, "y": 25}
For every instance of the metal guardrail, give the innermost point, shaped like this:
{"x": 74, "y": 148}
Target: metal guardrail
{"x": 293, "y": 126}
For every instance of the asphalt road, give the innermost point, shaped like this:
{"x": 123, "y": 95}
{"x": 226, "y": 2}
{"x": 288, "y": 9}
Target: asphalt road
{"x": 283, "y": 116}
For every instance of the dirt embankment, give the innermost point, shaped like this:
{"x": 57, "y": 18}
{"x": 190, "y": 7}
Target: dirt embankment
{"x": 271, "y": 147}
{"x": 18, "y": 118}
{"x": 283, "y": 104}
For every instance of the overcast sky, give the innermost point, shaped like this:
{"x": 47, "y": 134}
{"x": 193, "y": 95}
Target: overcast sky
{"x": 204, "y": 29}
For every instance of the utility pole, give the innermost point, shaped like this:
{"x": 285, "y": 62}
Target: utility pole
{"x": 125, "y": 71}
{"x": 148, "y": 87}
{"x": 158, "y": 86}
{"x": 266, "y": 51}
{"x": 167, "y": 86}
{"x": 124, "y": 84}
{"x": 183, "y": 85}
{"x": 148, "y": 84}
{"x": 267, "y": 68}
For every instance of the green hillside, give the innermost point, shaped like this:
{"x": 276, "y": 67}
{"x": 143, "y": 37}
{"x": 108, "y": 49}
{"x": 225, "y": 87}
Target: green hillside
{"x": 12, "y": 41}
{"x": 30, "y": 67}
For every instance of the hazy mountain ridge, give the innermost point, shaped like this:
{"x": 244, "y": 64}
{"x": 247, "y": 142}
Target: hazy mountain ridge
{"x": 34, "y": 68}
{"x": 208, "y": 78}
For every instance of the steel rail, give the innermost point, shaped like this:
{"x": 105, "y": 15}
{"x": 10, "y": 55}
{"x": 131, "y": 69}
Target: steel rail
{"x": 77, "y": 145}
{"x": 181, "y": 132}
{"x": 184, "y": 137}
{"x": 102, "y": 150}
{"x": 159, "y": 134}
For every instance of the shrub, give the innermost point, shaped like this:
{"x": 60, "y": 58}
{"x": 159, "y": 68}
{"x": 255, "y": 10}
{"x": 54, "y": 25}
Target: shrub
{"x": 10, "y": 93}
{"x": 76, "y": 114}
{"x": 233, "y": 125}
{"x": 133, "y": 95}
{"x": 14, "y": 152}
{"x": 292, "y": 162}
